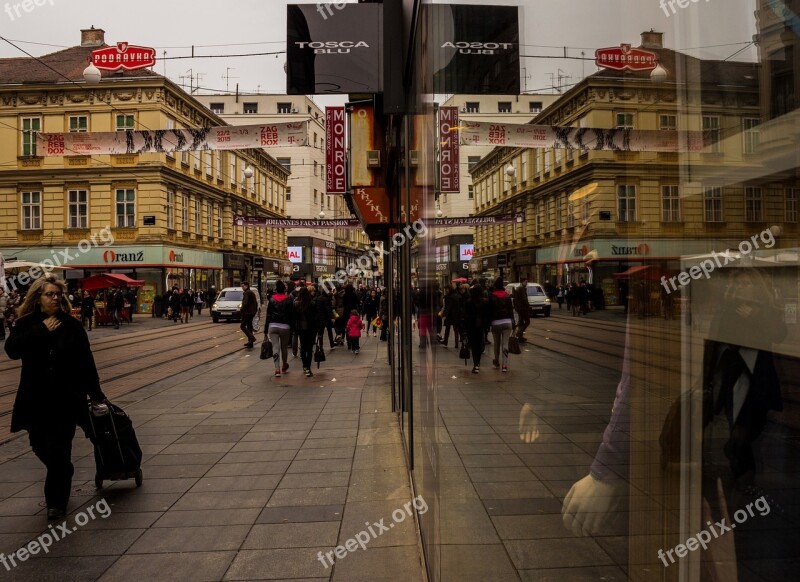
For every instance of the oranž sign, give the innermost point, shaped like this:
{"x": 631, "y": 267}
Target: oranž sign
{"x": 448, "y": 150}
{"x": 335, "y": 175}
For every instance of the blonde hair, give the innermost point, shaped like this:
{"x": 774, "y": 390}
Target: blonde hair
{"x": 32, "y": 302}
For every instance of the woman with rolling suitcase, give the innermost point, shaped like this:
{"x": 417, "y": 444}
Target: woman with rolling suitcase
{"x": 58, "y": 373}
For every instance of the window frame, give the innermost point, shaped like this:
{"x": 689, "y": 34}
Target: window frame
{"x": 184, "y": 212}
{"x": 504, "y": 106}
{"x": 750, "y": 135}
{"x": 82, "y": 218}
{"x": 31, "y": 211}
{"x": 170, "y": 209}
{"x": 125, "y": 117}
{"x": 753, "y": 204}
{"x": 78, "y": 129}
{"x": 713, "y": 195}
{"x": 126, "y": 214}
{"x": 715, "y": 142}
{"x": 629, "y": 213}
{"x": 670, "y": 203}
{"x": 625, "y": 115}
{"x": 253, "y": 105}
{"x": 790, "y": 203}
{"x": 29, "y": 136}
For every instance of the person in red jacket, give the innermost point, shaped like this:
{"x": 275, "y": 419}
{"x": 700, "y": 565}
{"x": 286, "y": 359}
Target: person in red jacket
{"x": 354, "y": 327}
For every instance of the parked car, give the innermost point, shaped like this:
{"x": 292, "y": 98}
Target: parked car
{"x": 228, "y": 304}
{"x": 538, "y": 301}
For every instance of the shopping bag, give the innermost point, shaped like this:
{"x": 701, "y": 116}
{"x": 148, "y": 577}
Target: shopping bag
{"x": 513, "y": 345}
{"x": 377, "y": 322}
{"x": 266, "y": 349}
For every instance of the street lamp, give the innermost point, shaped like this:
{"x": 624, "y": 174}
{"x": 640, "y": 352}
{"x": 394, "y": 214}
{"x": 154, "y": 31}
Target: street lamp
{"x": 91, "y": 74}
{"x": 659, "y": 74}
{"x": 322, "y": 215}
{"x": 248, "y": 172}
{"x": 511, "y": 172}
{"x": 439, "y": 213}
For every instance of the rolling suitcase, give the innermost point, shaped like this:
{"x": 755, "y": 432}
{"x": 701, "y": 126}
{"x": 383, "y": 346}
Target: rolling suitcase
{"x": 116, "y": 450}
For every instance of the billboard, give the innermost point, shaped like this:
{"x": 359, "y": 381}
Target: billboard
{"x": 334, "y": 48}
{"x": 476, "y": 48}
{"x": 466, "y": 252}
{"x": 295, "y": 254}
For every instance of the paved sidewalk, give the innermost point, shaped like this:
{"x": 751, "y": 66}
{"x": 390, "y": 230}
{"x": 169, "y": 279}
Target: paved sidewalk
{"x": 246, "y": 477}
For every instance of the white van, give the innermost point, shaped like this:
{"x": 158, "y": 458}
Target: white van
{"x": 538, "y": 300}
{"x": 228, "y": 304}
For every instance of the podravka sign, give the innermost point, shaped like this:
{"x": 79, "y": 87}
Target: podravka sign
{"x": 624, "y": 57}
{"x": 124, "y": 56}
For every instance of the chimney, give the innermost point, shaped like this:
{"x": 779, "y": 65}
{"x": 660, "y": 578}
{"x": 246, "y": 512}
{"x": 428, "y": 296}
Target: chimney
{"x": 652, "y": 39}
{"x": 93, "y": 36}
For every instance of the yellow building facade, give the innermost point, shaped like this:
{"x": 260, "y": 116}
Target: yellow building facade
{"x": 591, "y": 215}
{"x": 164, "y": 218}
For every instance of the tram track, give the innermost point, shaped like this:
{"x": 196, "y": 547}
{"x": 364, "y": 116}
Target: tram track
{"x": 165, "y": 358}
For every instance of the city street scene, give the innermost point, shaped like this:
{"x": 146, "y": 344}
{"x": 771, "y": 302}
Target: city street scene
{"x": 400, "y": 290}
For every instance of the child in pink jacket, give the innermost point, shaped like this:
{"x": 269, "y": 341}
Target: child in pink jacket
{"x": 354, "y": 327}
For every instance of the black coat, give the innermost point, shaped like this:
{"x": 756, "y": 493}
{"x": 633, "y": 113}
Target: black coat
{"x": 324, "y": 311}
{"x": 58, "y": 371}
{"x": 452, "y": 308}
{"x": 475, "y": 315}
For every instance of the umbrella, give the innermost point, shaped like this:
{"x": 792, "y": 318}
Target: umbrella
{"x": 459, "y": 280}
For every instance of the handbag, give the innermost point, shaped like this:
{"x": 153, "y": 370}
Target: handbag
{"x": 464, "y": 352}
{"x": 266, "y": 349}
{"x": 513, "y": 345}
{"x": 319, "y": 352}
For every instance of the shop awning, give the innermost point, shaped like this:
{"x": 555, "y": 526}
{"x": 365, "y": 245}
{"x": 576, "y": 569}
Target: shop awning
{"x": 640, "y": 271}
{"x": 109, "y": 280}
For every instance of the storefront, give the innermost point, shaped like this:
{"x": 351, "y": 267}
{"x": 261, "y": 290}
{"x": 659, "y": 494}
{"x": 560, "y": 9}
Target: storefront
{"x": 160, "y": 266}
{"x": 311, "y": 257}
{"x": 598, "y": 261}
{"x": 234, "y": 269}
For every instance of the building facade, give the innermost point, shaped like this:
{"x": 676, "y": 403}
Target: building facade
{"x": 593, "y": 215}
{"x": 169, "y": 217}
{"x": 322, "y": 251}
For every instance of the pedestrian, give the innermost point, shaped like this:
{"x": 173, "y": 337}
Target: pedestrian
{"x": 130, "y": 298}
{"x": 325, "y": 316}
{"x": 383, "y": 312}
{"x": 175, "y": 304}
{"x": 280, "y": 316}
{"x": 520, "y": 299}
{"x": 58, "y": 373}
{"x": 370, "y": 310}
{"x": 305, "y": 326}
{"x": 502, "y": 322}
{"x": 249, "y": 310}
{"x": 451, "y": 314}
{"x": 354, "y": 327}
{"x": 113, "y": 297}
{"x": 475, "y": 318}
{"x": 198, "y": 302}
{"x": 560, "y": 296}
{"x": 187, "y": 305}
{"x": 3, "y": 307}
{"x": 87, "y": 309}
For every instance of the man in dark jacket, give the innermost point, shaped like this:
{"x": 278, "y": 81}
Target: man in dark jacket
{"x": 520, "y": 298}
{"x": 175, "y": 304}
{"x": 249, "y": 310}
{"x": 452, "y": 314}
{"x": 325, "y": 315}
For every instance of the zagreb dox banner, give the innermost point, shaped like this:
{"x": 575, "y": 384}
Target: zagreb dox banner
{"x": 480, "y": 133}
{"x": 238, "y": 137}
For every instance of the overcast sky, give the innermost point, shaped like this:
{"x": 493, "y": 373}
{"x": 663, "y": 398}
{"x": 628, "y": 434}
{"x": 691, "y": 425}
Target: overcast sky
{"x": 259, "y": 26}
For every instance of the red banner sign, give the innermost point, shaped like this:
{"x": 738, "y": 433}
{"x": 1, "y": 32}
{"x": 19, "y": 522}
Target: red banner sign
{"x": 124, "y": 56}
{"x": 336, "y": 168}
{"x": 448, "y": 150}
{"x": 624, "y": 57}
